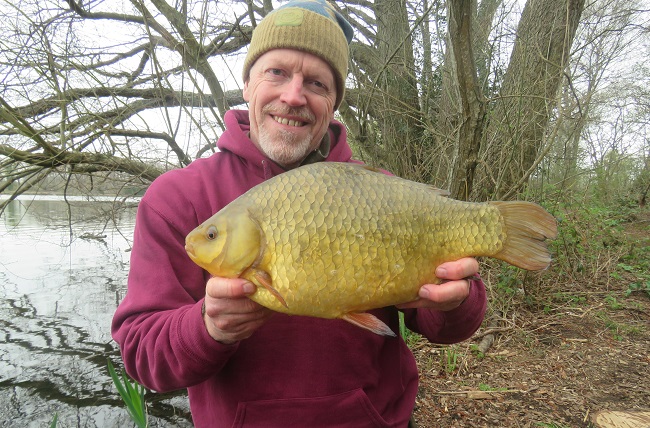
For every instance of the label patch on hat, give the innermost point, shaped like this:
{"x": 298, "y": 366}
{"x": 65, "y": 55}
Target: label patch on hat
{"x": 288, "y": 17}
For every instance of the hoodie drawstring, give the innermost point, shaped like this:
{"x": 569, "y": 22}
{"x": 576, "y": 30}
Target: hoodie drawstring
{"x": 266, "y": 170}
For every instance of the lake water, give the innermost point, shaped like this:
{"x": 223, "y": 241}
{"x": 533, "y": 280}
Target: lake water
{"x": 63, "y": 268}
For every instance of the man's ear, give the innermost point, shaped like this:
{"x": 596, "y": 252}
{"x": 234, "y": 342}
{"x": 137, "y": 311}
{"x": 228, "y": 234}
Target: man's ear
{"x": 245, "y": 90}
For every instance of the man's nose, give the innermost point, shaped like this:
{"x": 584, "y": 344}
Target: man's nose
{"x": 294, "y": 92}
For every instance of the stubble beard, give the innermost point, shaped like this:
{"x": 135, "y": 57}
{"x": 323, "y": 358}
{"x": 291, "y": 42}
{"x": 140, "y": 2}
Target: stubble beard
{"x": 284, "y": 147}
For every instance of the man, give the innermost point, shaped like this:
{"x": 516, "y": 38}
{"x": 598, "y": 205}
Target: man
{"x": 242, "y": 364}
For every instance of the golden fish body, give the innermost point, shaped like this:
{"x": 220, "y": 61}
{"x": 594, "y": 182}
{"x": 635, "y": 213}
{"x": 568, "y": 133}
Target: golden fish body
{"x": 333, "y": 240}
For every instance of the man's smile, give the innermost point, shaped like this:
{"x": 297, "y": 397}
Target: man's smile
{"x": 286, "y": 121}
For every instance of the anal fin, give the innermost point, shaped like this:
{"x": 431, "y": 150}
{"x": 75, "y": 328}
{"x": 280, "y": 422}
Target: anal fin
{"x": 369, "y": 322}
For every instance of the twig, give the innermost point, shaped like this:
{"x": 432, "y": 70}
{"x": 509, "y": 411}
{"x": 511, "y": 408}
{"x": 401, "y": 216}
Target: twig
{"x": 496, "y": 391}
{"x": 585, "y": 312}
{"x": 488, "y": 336}
{"x": 491, "y": 331}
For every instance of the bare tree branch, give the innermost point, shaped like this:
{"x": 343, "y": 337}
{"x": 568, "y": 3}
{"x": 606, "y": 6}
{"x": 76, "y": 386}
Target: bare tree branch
{"x": 88, "y": 162}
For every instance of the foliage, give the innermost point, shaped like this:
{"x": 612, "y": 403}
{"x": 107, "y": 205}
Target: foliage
{"x": 132, "y": 394}
{"x": 641, "y": 286}
{"x": 619, "y": 330}
{"x": 593, "y": 244}
{"x": 476, "y": 351}
{"x": 590, "y": 241}
{"x": 449, "y": 358}
{"x": 486, "y": 387}
{"x": 411, "y": 338}
{"x": 509, "y": 280}
{"x": 600, "y": 246}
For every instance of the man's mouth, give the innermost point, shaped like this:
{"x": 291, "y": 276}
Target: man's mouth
{"x": 289, "y": 122}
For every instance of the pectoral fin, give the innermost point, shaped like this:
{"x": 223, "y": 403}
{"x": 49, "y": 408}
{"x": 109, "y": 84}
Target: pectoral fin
{"x": 262, "y": 278}
{"x": 369, "y": 322}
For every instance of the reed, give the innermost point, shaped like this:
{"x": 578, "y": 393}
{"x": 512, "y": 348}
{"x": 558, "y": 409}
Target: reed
{"x": 132, "y": 394}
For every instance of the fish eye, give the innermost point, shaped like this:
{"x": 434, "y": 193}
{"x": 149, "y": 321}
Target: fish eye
{"x": 212, "y": 233}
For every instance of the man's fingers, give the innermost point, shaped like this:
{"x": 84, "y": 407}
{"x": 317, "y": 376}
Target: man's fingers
{"x": 229, "y": 288}
{"x": 237, "y": 322}
{"x": 458, "y": 269}
{"x": 449, "y": 292}
{"x": 229, "y": 314}
{"x": 442, "y": 297}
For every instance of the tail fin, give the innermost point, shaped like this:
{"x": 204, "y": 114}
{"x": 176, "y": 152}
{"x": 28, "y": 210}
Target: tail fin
{"x": 527, "y": 227}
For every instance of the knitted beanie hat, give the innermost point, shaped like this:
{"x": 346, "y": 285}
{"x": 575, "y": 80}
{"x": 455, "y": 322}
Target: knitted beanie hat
{"x": 308, "y": 25}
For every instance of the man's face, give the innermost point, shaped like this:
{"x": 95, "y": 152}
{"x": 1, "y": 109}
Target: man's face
{"x": 291, "y": 96}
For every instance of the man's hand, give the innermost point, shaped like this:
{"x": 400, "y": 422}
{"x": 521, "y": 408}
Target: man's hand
{"x": 453, "y": 290}
{"x": 230, "y": 315}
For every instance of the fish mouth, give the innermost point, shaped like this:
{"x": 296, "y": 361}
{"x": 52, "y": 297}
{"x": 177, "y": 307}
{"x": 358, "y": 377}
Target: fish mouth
{"x": 189, "y": 248}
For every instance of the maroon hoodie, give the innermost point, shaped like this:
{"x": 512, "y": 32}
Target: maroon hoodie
{"x": 294, "y": 371}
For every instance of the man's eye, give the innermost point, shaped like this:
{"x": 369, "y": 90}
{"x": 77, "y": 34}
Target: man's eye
{"x": 319, "y": 86}
{"x": 275, "y": 71}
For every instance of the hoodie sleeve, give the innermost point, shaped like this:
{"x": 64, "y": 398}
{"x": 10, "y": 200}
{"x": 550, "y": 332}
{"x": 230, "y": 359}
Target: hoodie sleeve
{"x": 451, "y": 326}
{"x": 159, "y": 326}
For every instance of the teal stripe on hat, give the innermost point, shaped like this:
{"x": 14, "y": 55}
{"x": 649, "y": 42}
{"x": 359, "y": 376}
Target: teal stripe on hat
{"x": 325, "y": 9}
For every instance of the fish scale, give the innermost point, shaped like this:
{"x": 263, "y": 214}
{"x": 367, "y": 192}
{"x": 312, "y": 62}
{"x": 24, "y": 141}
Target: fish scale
{"x": 334, "y": 240}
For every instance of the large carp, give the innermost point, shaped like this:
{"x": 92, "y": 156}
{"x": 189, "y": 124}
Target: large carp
{"x": 333, "y": 240}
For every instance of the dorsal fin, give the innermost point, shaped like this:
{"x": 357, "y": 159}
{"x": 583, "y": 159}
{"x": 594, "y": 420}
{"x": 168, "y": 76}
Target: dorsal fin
{"x": 372, "y": 168}
{"x": 436, "y": 190}
{"x": 439, "y": 192}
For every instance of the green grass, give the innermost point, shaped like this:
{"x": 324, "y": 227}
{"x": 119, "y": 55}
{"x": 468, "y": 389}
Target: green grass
{"x": 409, "y": 337}
{"x": 450, "y": 356}
{"x": 488, "y": 388}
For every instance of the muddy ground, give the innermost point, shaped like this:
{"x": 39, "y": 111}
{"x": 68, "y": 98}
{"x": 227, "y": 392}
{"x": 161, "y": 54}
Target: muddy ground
{"x": 561, "y": 353}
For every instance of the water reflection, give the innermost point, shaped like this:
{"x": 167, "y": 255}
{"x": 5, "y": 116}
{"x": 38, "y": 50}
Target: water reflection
{"x": 63, "y": 267}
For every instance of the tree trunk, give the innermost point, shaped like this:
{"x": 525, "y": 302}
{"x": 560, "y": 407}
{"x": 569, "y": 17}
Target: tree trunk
{"x": 396, "y": 100}
{"x": 472, "y": 107}
{"x": 516, "y": 129}
{"x": 460, "y": 119}
{"x": 621, "y": 419}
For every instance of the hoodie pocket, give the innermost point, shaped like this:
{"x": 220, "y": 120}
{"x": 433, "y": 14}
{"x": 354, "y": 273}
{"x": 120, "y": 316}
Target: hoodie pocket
{"x": 351, "y": 409}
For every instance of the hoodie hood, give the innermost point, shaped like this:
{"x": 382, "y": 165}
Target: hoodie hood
{"x": 235, "y": 140}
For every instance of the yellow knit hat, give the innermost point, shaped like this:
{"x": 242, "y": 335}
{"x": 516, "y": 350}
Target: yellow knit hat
{"x": 308, "y": 25}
